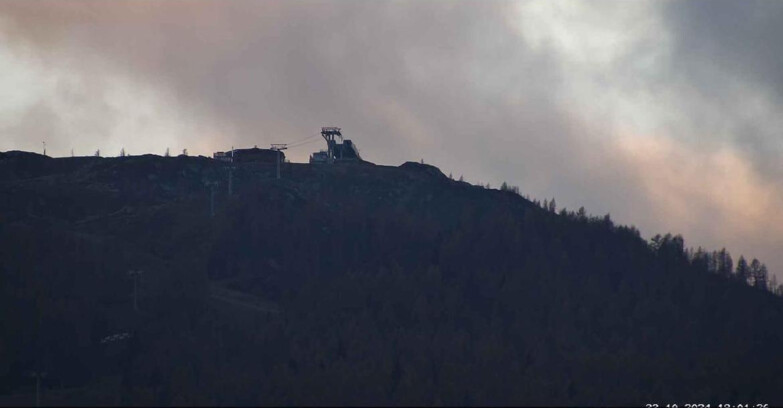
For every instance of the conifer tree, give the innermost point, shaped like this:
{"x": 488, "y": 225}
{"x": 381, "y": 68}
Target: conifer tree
{"x": 758, "y": 274}
{"x": 743, "y": 270}
{"x": 724, "y": 263}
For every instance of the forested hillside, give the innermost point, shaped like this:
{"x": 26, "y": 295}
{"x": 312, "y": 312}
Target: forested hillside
{"x": 356, "y": 284}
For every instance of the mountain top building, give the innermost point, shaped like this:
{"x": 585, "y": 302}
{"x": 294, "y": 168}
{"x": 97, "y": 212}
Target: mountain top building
{"x": 253, "y": 154}
{"x": 344, "y": 150}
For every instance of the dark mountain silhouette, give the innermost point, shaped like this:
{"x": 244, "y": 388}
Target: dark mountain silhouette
{"x": 353, "y": 284}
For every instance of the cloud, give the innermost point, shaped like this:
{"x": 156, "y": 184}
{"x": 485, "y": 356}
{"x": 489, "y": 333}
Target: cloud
{"x": 729, "y": 54}
{"x": 663, "y": 113}
{"x": 717, "y": 197}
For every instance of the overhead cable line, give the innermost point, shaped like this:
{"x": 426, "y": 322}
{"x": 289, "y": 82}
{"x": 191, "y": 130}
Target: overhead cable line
{"x": 302, "y": 143}
{"x": 307, "y": 139}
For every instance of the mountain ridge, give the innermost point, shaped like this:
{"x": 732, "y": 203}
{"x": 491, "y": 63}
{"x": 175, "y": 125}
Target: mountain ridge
{"x": 394, "y": 285}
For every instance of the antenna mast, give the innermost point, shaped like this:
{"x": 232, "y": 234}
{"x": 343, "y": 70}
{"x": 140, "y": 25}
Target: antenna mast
{"x": 211, "y": 185}
{"x": 279, "y": 147}
{"x": 231, "y": 180}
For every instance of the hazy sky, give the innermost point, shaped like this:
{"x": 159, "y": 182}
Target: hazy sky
{"x": 666, "y": 114}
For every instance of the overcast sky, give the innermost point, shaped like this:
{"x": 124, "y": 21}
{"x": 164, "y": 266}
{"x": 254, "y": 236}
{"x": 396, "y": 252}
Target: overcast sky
{"x": 665, "y": 114}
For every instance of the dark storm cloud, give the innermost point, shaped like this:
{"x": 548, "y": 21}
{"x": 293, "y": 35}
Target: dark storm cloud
{"x": 741, "y": 38}
{"x": 720, "y": 43}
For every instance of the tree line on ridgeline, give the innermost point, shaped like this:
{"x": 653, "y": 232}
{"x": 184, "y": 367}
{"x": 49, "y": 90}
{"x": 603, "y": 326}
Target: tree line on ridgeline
{"x": 719, "y": 262}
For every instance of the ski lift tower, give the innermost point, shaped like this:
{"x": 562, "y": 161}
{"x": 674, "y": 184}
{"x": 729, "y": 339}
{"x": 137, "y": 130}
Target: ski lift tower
{"x": 278, "y": 148}
{"x": 329, "y": 134}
